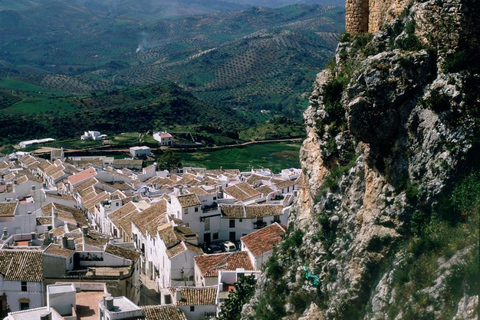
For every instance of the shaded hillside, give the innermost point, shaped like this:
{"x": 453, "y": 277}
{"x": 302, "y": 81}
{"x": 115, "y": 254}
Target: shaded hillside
{"x": 141, "y": 109}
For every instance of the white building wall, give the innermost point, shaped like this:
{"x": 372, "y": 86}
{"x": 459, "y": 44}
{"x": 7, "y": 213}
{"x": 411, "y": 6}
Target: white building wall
{"x": 183, "y": 261}
{"x": 243, "y": 227}
{"x": 13, "y": 290}
{"x": 101, "y": 259}
{"x": 62, "y": 301}
{"x": 22, "y": 222}
{"x": 199, "y": 311}
{"x": 22, "y": 190}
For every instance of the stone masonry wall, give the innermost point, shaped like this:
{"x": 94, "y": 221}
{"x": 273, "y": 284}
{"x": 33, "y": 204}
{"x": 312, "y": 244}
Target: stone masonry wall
{"x": 371, "y": 15}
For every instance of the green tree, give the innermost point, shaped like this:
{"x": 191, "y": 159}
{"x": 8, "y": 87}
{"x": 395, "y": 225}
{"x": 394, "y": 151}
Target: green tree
{"x": 169, "y": 160}
{"x": 232, "y": 307}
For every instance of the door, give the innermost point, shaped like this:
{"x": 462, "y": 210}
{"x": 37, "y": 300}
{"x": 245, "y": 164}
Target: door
{"x": 206, "y": 238}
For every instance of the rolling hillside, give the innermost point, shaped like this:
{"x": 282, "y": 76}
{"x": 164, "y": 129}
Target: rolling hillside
{"x": 251, "y": 63}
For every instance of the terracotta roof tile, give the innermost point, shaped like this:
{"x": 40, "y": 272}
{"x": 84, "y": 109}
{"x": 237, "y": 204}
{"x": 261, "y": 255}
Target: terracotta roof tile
{"x": 195, "y": 296}
{"x": 21, "y": 265}
{"x": 188, "y": 200}
{"x": 165, "y": 312}
{"x": 264, "y": 189}
{"x": 263, "y": 240}
{"x": 177, "y": 249}
{"x": 198, "y": 191}
{"x": 122, "y": 252}
{"x": 7, "y": 209}
{"x": 65, "y": 213}
{"x": 256, "y": 177}
{"x": 58, "y": 250}
{"x": 123, "y": 211}
{"x": 286, "y": 184}
{"x": 236, "y": 211}
{"x": 22, "y": 179}
{"x": 82, "y": 176}
{"x": 85, "y": 185}
{"x": 263, "y": 210}
{"x": 149, "y": 219}
{"x": 242, "y": 191}
{"x": 96, "y": 239}
{"x": 210, "y": 264}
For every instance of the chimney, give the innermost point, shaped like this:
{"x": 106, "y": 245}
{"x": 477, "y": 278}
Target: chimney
{"x": 64, "y": 242}
{"x": 85, "y": 230}
{"x": 46, "y": 316}
{"x": 55, "y": 222}
{"x": 219, "y": 192}
{"x": 50, "y": 235}
{"x": 71, "y": 243}
{"x": 178, "y": 295}
{"x": 109, "y": 303}
{"x": 5, "y": 232}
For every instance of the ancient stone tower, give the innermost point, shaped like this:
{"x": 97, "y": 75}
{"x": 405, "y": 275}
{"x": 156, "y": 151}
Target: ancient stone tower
{"x": 371, "y": 15}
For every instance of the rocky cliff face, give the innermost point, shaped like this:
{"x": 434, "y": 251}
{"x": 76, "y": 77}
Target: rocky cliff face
{"x": 386, "y": 224}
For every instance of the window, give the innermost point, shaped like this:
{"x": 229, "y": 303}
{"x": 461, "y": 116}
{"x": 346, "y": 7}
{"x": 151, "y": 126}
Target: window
{"x": 185, "y": 211}
{"x": 276, "y": 218}
{"x": 168, "y": 299}
{"x": 232, "y": 223}
{"x": 215, "y": 236}
{"x": 24, "y": 303}
{"x": 196, "y": 209}
{"x": 207, "y": 224}
{"x": 24, "y": 287}
{"x": 240, "y": 220}
{"x": 214, "y": 198}
{"x": 192, "y": 308}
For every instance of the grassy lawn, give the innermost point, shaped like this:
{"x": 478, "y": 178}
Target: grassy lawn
{"x": 275, "y": 156}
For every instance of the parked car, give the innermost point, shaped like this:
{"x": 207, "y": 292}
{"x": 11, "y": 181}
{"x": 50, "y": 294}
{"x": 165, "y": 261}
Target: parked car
{"x": 229, "y": 246}
{"x": 212, "y": 248}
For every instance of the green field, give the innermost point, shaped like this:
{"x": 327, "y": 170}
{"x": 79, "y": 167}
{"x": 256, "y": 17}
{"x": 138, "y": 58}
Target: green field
{"x": 29, "y": 88}
{"x": 275, "y": 156}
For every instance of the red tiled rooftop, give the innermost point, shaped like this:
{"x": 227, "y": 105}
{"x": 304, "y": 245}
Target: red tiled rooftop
{"x": 210, "y": 264}
{"x": 263, "y": 240}
{"x": 81, "y": 176}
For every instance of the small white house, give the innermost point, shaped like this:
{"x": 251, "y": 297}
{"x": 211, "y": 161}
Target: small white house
{"x": 94, "y": 135}
{"x": 164, "y": 138}
{"x": 139, "y": 152}
{"x": 196, "y": 302}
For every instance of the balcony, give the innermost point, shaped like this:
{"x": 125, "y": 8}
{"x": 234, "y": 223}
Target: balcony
{"x": 259, "y": 224}
{"x": 212, "y": 207}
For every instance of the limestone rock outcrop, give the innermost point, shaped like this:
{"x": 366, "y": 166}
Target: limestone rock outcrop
{"x": 392, "y": 129}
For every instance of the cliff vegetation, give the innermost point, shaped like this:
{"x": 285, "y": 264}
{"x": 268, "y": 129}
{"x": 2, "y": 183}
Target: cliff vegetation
{"x": 386, "y": 224}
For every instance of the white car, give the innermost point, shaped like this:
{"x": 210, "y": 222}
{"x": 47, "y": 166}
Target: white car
{"x": 229, "y": 246}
